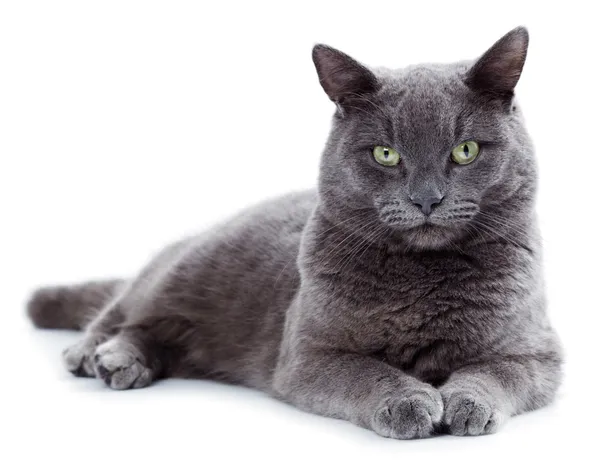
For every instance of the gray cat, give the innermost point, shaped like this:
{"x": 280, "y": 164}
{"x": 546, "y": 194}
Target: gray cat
{"x": 404, "y": 295}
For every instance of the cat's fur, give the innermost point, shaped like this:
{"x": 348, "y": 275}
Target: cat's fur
{"x": 349, "y": 301}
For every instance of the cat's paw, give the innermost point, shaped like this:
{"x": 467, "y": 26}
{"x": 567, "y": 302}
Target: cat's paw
{"x": 412, "y": 413}
{"x": 120, "y": 365}
{"x": 78, "y": 359}
{"x": 470, "y": 413}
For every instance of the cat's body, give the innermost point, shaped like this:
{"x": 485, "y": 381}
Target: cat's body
{"x": 215, "y": 303}
{"x": 349, "y": 302}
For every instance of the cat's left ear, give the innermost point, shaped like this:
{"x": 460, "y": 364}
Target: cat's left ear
{"x": 499, "y": 69}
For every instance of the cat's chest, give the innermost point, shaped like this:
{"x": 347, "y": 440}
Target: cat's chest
{"x": 418, "y": 311}
{"x": 406, "y": 291}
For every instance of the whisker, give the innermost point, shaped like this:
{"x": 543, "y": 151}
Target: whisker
{"x": 352, "y": 233}
{"x": 355, "y": 216}
{"x": 348, "y": 219}
{"x": 367, "y": 226}
{"x": 492, "y": 231}
{"x": 366, "y": 244}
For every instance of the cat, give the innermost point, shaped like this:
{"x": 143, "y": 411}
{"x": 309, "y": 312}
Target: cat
{"x": 404, "y": 294}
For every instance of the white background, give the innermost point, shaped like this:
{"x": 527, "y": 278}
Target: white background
{"x": 125, "y": 125}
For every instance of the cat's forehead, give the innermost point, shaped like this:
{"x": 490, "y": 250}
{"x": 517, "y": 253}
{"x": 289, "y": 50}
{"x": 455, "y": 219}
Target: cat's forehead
{"x": 423, "y": 86}
{"x": 421, "y": 106}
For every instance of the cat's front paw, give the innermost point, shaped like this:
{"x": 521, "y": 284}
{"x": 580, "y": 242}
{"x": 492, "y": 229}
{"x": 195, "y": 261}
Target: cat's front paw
{"x": 412, "y": 413}
{"x": 471, "y": 413}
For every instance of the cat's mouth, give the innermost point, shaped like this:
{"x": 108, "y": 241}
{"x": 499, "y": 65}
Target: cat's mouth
{"x": 434, "y": 231}
{"x": 414, "y": 223}
{"x": 426, "y": 234}
{"x": 429, "y": 235}
{"x": 428, "y": 228}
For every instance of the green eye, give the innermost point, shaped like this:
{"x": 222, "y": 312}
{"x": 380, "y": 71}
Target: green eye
{"x": 466, "y": 152}
{"x": 386, "y": 156}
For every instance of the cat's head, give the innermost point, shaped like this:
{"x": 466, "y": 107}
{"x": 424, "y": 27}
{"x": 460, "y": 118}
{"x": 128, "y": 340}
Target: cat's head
{"x": 428, "y": 148}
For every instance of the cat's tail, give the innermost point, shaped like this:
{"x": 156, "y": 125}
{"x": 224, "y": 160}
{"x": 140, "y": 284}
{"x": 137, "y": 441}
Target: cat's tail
{"x": 70, "y": 307}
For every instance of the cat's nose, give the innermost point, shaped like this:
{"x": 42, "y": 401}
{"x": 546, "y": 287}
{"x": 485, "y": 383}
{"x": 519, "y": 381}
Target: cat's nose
{"x": 426, "y": 202}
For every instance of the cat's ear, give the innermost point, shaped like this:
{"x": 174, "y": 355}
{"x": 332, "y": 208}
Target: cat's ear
{"x": 342, "y": 77}
{"x": 499, "y": 69}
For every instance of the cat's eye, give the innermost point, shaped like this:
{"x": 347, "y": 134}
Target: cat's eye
{"x": 386, "y": 156}
{"x": 465, "y": 153}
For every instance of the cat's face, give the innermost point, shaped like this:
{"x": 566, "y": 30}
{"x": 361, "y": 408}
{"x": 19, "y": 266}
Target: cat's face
{"x": 428, "y": 148}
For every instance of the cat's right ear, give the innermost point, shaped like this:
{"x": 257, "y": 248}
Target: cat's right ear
{"x": 342, "y": 77}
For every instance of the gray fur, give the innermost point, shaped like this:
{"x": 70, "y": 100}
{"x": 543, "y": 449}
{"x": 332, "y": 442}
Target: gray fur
{"x": 350, "y": 302}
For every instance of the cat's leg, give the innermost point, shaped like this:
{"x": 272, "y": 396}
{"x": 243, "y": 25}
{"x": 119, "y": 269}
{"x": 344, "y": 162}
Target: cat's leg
{"x": 128, "y": 360}
{"x": 360, "y": 389}
{"x": 78, "y": 359}
{"x": 480, "y": 397}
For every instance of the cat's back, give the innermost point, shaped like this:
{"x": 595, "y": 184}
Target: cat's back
{"x": 243, "y": 260}
{"x": 270, "y": 219}
{"x": 261, "y": 234}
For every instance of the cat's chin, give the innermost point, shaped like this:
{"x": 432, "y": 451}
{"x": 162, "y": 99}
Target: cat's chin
{"x": 430, "y": 237}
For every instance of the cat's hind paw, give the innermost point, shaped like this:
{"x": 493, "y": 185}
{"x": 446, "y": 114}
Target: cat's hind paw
{"x": 121, "y": 365}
